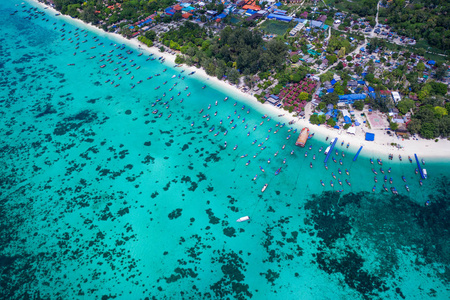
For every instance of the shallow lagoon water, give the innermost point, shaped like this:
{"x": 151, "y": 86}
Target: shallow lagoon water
{"x": 102, "y": 198}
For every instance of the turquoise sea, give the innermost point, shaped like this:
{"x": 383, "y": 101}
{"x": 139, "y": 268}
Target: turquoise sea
{"x": 102, "y": 198}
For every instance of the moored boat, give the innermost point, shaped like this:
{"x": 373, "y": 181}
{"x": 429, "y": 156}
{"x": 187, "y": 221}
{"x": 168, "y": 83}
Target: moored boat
{"x": 264, "y": 187}
{"x": 302, "y": 138}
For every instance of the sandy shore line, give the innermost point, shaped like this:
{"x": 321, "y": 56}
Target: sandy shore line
{"x": 381, "y": 147}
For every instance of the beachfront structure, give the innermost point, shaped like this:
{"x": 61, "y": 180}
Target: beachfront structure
{"x": 279, "y": 17}
{"x": 396, "y": 97}
{"x": 351, "y": 98}
{"x": 297, "y": 28}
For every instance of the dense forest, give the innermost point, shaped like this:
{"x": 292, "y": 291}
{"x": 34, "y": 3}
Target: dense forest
{"x": 362, "y": 8}
{"x": 420, "y": 19}
{"x": 233, "y": 52}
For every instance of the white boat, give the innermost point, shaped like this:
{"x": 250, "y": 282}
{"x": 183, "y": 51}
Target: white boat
{"x": 264, "y": 187}
{"x": 242, "y": 219}
{"x": 425, "y": 175}
{"x": 332, "y": 141}
{"x": 327, "y": 150}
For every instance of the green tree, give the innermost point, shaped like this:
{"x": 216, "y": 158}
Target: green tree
{"x": 440, "y": 111}
{"x": 405, "y": 105}
{"x": 150, "y": 34}
{"x": 303, "y": 96}
{"x": 358, "y": 105}
{"x": 420, "y": 67}
{"x": 393, "y": 126}
{"x": 330, "y": 98}
{"x": 331, "y": 122}
{"x": 179, "y": 59}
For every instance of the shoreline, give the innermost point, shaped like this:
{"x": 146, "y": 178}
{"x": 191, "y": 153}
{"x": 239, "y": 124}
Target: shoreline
{"x": 381, "y": 146}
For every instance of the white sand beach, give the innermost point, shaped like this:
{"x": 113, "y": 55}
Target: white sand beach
{"x": 380, "y": 147}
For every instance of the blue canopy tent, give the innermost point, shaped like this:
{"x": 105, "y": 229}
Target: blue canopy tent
{"x": 431, "y": 62}
{"x": 330, "y": 90}
{"x": 371, "y": 89}
{"x": 357, "y": 123}
{"x": 336, "y": 126}
{"x": 361, "y": 82}
{"x": 347, "y": 120}
{"x": 333, "y": 82}
{"x": 370, "y": 136}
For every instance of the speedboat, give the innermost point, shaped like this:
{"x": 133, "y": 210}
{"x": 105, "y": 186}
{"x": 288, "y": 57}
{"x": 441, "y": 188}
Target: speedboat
{"x": 278, "y": 171}
{"x": 247, "y": 163}
{"x": 331, "y": 183}
{"x": 310, "y": 165}
{"x": 381, "y": 170}
{"x": 235, "y": 147}
{"x": 407, "y": 187}
{"x": 371, "y": 161}
{"x": 321, "y": 182}
{"x": 348, "y": 182}
{"x": 410, "y": 160}
{"x": 339, "y": 171}
{"x": 314, "y": 157}
{"x": 254, "y": 178}
{"x": 284, "y": 161}
{"x": 243, "y": 219}
{"x": 340, "y": 182}
{"x": 262, "y": 169}
{"x": 385, "y": 188}
{"x": 332, "y": 174}
{"x": 346, "y": 172}
{"x": 403, "y": 178}
{"x": 421, "y": 182}
{"x": 373, "y": 189}
{"x": 374, "y": 172}
{"x": 400, "y": 157}
{"x": 375, "y": 179}
{"x": 264, "y": 187}
{"x": 390, "y": 180}
{"x": 385, "y": 178}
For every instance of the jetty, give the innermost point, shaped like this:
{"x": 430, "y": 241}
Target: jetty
{"x": 421, "y": 171}
{"x": 331, "y": 150}
{"x": 357, "y": 153}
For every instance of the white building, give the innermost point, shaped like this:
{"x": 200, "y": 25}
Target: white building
{"x": 396, "y": 97}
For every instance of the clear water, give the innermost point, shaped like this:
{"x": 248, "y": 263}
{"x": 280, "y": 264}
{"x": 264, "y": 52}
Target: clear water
{"x": 102, "y": 198}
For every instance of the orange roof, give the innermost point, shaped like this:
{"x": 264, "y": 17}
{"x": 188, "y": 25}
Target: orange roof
{"x": 177, "y": 7}
{"x": 253, "y": 7}
{"x": 186, "y": 15}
